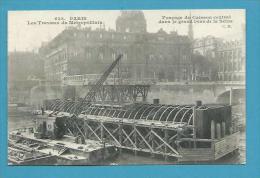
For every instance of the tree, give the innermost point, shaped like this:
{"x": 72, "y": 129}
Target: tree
{"x": 203, "y": 66}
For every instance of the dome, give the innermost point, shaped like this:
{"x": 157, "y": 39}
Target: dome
{"x": 131, "y": 21}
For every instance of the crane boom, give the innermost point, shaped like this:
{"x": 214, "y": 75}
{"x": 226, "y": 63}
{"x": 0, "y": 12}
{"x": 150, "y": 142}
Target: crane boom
{"x": 91, "y": 94}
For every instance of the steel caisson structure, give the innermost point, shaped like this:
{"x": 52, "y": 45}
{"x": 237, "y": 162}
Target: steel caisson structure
{"x": 150, "y": 128}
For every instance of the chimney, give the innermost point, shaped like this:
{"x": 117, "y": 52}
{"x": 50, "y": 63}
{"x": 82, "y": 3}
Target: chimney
{"x": 156, "y": 101}
{"x": 198, "y": 103}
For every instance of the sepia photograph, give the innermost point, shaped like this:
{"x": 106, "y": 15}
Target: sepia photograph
{"x": 126, "y": 87}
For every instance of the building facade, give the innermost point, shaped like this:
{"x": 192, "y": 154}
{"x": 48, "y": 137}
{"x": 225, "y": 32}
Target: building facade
{"x": 231, "y": 61}
{"x": 225, "y": 60}
{"x": 161, "y": 56}
{"x": 204, "y": 58}
{"x": 25, "y": 69}
{"x": 24, "y": 66}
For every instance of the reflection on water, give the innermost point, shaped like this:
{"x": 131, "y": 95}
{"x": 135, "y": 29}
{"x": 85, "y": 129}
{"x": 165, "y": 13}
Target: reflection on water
{"x": 19, "y": 121}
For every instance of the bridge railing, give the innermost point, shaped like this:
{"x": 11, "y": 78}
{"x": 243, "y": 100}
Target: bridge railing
{"x": 202, "y": 83}
{"x": 231, "y": 82}
{"x": 89, "y": 79}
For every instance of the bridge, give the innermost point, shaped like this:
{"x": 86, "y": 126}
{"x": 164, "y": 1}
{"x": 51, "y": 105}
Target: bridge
{"x": 219, "y": 91}
{"x": 35, "y": 91}
{"x": 209, "y": 91}
{"x": 90, "y": 79}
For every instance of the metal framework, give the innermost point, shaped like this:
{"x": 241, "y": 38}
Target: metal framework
{"x": 121, "y": 93}
{"x": 147, "y": 128}
{"x": 105, "y": 93}
{"x": 152, "y": 128}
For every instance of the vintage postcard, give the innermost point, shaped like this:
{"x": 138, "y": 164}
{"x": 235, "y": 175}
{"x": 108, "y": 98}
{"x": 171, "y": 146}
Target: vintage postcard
{"x": 120, "y": 87}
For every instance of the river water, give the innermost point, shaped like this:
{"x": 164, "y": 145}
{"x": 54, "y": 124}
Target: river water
{"x": 19, "y": 120}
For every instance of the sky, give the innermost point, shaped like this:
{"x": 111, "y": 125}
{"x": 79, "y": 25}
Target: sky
{"x": 25, "y": 36}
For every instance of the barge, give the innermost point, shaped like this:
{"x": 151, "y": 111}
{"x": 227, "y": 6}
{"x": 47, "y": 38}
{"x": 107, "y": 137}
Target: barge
{"x": 26, "y": 148}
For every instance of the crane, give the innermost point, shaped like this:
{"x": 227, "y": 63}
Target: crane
{"x": 71, "y": 122}
{"x": 91, "y": 94}
{"x": 94, "y": 88}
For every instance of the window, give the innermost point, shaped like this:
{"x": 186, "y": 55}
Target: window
{"x": 101, "y": 56}
{"x": 213, "y": 54}
{"x": 100, "y": 36}
{"x": 234, "y": 54}
{"x": 230, "y": 55}
{"x": 224, "y": 55}
{"x": 151, "y": 57}
{"x": 160, "y": 38}
{"x": 239, "y": 53}
{"x": 65, "y": 67}
{"x": 113, "y": 56}
{"x": 88, "y": 55}
{"x": 125, "y": 56}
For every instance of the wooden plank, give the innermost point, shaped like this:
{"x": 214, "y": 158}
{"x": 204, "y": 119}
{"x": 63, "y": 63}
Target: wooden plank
{"x": 226, "y": 145}
{"x": 196, "y": 154}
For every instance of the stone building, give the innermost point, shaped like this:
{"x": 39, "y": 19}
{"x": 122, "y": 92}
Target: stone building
{"x": 162, "y": 56}
{"x": 25, "y": 69}
{"x": 204, "y": 57}
{"x": 231, "y": 61}
{"x": 206, "y": 46}
{"x": 225, "y": 59}
{"x": 24, "y": 66}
